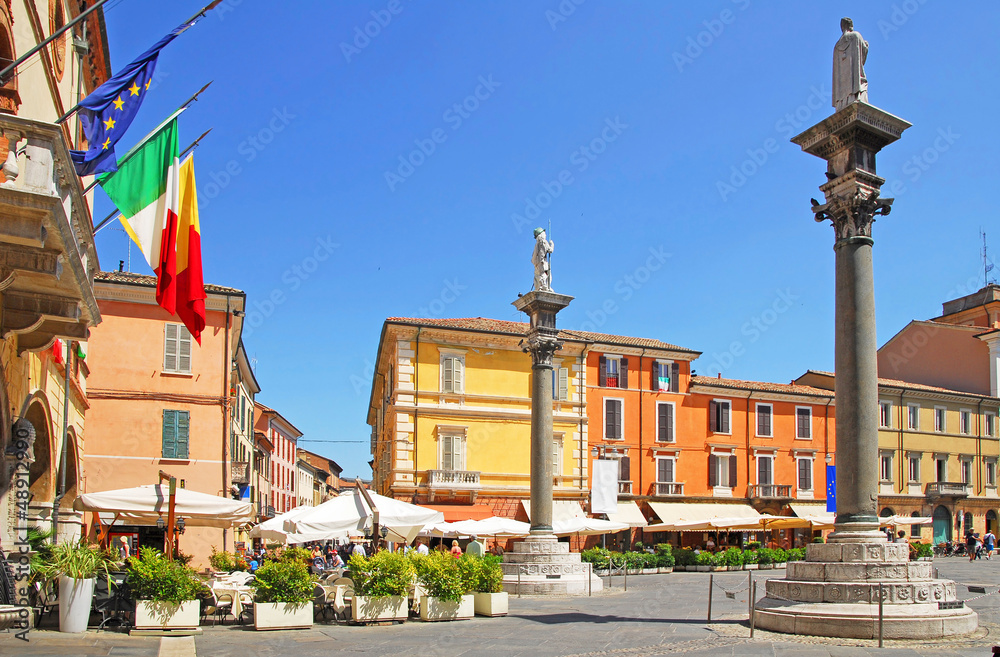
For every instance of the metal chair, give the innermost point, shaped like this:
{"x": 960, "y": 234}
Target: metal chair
{"x": 217, "y": 605}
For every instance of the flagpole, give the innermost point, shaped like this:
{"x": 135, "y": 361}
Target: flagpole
{"x": 6, "y": 73}
{"x": 189, "y": 22}
{"x": 193, "y": 145}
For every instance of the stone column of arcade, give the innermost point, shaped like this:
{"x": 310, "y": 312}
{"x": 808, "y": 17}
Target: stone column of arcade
{"x": 835, "y": 592}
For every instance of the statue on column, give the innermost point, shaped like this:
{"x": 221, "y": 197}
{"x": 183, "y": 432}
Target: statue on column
{"x": 540, "y": 258}
{"x": 849, "y": 82}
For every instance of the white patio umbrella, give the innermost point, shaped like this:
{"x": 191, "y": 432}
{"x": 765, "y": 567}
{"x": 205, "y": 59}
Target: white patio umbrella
{"x": 493, "y": 526}
{"x": 586, "y": 527}
{"x": 896, "y": 521}
{"x": 143, "y": 505}
{"x": 340, "y": 516}
{"x": 273, "y": 529}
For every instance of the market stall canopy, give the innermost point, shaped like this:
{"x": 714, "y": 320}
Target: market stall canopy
{"x": 896, "y": 521}
{"x": 274, "y": 528}
{"x": 583, "y": 526}
{"x": 339, "y": 517}
{"x": 817, "y": 515}
{"x": 628, "y": 513}
{"x": 561, "y": 510}
{"x": 143, "y": 505}
{"x": 487, "y": 527}
{"x": 695, "y": 516}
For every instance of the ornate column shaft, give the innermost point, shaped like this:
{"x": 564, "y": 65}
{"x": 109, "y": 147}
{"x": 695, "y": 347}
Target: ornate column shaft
{"x": 541, "y": 347}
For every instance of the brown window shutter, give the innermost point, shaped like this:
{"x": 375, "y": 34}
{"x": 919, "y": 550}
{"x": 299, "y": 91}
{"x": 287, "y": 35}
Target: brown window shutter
{"x": 654, "y": 379}
{"x": 661, "y": 422}
{"x": 670, "y": 422}
{"x": 602, "y": 372}
{"x": 713, "y": 471}
{"x": 623, "y": 374}
{"x": 724, "y": 416}
{"x": 675, "y": 377}
{"x": 732, "y": 471}
{"x": 712, "y": 412}
{"x": 624, "y": 469}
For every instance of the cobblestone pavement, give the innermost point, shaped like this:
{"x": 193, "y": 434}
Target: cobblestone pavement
{"x": 658, "y": 615}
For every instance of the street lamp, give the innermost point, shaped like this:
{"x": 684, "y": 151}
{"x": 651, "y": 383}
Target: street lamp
{"x": 180, "y": 525}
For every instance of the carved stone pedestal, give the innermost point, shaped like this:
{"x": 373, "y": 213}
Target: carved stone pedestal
{"x": 835, "y": 592}
{"x": 541, "y": 565}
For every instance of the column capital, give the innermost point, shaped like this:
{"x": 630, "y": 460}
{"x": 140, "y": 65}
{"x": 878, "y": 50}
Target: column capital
{"x": 542, "y": 345}
{"x": 853, "y": 214}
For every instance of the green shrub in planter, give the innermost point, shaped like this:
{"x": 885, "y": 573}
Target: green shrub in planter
{"x": 753, "y": 545}
{"x": 295, "y": 554}
{"x": 597, "y": 556}
{"x": 732, "y": 557}
{"x": 780, "y": 555}
{"x": 921, "y": 550}
{"x": 796, "y": 554}
{"x": 440, "y": 575}
{"x": 751, "y": 556}
{"x": 818, "y": 539}
{"x": 664, "y": 555}
{"x": 684, "y": 557}
{"x": 154, "y": 577}
{"x": 765, "y": 556}
{"x": 650, "y": 560}
{"x": 283, "y": 581}
{"x": 703, "y": 559}
{"x": 384, "y": 573}
{"x": 227, "y": 562}
{"x": 74, "y": 560}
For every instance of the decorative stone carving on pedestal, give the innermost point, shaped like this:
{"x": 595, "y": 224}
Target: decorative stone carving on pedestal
{"x": 541, "y": 565}
{"x": 835, "y": 592}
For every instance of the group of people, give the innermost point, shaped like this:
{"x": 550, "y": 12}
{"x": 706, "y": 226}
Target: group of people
{"x": 978, "y": 547}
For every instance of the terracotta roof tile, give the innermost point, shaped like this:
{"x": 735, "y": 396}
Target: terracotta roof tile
{"x": 521, "y": 328}
{"x": 150, "y": 281}
{"x": 896, "y": 383}
{"x": 761, "y": 386}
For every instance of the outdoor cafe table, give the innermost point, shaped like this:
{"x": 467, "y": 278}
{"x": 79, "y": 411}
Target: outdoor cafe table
{"x": 221, "y": 588}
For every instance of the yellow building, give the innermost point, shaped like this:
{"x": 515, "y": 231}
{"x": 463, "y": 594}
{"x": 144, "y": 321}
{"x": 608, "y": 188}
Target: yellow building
{"x": 451, "y": 416}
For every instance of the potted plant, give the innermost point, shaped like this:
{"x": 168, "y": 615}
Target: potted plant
{"x": 684, "y": 559}
{"x": 597, "y": 556}
{"x": 381, "y": 584}
{"x": 921, "y": 552}
{"x": 447, "y": 586}
{"x": 166, "y": 592}
{"x": 649, "y": 562}
{"x": 76, "y": 566}
{"x": 750, "y": 558}
{"x": 227, "y": 562}
{"x": 283, "y": 592}
{"x": 664, "y": 558}
{"x": 703, "y": 562}
{"x": 634, "y": 562}
{"x": 489, "y": 598}
{"x": 765, "y": 558}
{"x": 718, "y": 562}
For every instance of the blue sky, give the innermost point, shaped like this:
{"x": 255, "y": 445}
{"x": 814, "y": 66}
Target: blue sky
{"x": 359, "y": 176}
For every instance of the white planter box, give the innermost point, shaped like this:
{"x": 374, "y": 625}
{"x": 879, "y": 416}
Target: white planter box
{"x": 150, "y": 615}
{"x": 663, "y": 570}
{"x": 491, "y": 604}
{"x": 649, "y": 571}
{"x": 702, "y": 569}
{"x": 750, "y": 566}
{"x": 634, "y": 571}
{"x": 75, "y": 598}
{"x": 282, "y": 616}
{"x": 436, "y": 609}
{"x": 365, "y": 609}
{"x": 765, "y": 566}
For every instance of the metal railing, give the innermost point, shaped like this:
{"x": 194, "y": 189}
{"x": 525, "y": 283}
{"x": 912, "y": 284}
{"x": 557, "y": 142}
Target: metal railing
{"x": 669, "y": 488}
{"x": 769, "y": 490}
{"x": 625, "y": 487}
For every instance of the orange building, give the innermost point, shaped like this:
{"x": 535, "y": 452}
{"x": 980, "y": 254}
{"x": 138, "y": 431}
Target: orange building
{"x": 283, "y": 437}
{"x": 159, "y": 401}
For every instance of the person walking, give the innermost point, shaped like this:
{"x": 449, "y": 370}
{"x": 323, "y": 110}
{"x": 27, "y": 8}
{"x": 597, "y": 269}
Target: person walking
{"x": 990, "y": 543}
{"x": 475, "y": 548}
{"x": 970, "y": 544}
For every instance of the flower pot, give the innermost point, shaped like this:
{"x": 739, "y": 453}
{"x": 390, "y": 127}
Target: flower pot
{"x": 282, "y": 615}
{"x": 75, "y": 598}
{"x": 716, "y": 569}
{"x": 649, "y": 571}
{"x": 663, "y": 570}
{"x": 702, "y": 569}
{"x": 154, "y": 615}
{"x": 634, "y": 571}
{"x": 366, "y": 609}
{"x": 765, "y": 566}
{"x": 751, "y": 566}
{"x": 436, "y": 609}
{"x": 490, "y": 604}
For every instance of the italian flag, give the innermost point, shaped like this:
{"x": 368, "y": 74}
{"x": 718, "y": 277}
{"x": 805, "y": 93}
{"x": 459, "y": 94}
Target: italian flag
{"x": 159, "y": 210}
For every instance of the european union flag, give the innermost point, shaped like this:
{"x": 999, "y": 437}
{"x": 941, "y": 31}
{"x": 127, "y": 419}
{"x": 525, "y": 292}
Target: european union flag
{"x": 831, "y": 488}
{"x": 108, "y": 111}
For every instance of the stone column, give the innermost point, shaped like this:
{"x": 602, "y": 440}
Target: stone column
{"x": 541, "y": 351}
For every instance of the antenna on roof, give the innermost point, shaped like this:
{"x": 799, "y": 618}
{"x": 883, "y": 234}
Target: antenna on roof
{"x": 987, "y": 265}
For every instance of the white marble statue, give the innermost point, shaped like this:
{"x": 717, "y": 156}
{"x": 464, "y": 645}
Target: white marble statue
{"x": 540, "y": 259}
{"x": 849, "y": 82}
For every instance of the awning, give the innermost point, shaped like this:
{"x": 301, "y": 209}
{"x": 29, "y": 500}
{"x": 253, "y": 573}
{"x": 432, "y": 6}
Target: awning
{"x": 561, "y": 510}
{"x": 628, "y": 513}
{"x": 896, "y": 521}
{"x": 459, "y": 512}
{"x": 143, "y": 505}
{"x": 694, "y": 516}
{"x": 814, "y": 513}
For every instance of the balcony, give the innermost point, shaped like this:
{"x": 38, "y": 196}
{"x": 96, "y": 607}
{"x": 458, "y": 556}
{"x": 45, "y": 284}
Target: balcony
{"x": 451, "y": 482}
{"x": 954, "y": 489}
{"x": 666, "y": 489}
{"x": 47, "y": 254}
{"x": 624, "y": 487}
{"x": 769, "y": 491}
{"x": 265, "y": 511}
{"x": 240, "y": 473}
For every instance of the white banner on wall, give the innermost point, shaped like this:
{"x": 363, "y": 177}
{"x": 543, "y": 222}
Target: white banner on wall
{"x": 604, "y": 493}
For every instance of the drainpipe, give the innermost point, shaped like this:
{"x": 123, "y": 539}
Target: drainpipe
{"x": 979, "y": 445}
{"x": 416, "y": 408}
{"x": 640, "y": 454}
{"x": 64, "y": 453}
{"x": 584, "y": 451}
{"x": 225, "y": 416}
{"x": 748, "y": 441}
{"x": 902, "y": 455}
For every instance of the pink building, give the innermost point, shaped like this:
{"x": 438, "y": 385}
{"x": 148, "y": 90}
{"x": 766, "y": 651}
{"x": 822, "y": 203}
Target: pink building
{"x": 283, "y": 437}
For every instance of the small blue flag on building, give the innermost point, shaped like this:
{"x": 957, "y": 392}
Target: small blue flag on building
{"x": 831, "y": 488}
{"x": 108, "y": 111}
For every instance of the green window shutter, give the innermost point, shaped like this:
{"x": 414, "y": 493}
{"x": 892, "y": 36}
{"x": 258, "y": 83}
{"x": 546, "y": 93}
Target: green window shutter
{"x": 183, "y": 422}
{"x": 169, "y": 434}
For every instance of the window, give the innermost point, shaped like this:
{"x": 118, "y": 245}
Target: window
{"x": 452, "y": 374}
{"x": 613, "y": 372}
{"x": 885, "y": 467}
{"x": 718, "y": 416}
{"x": 885, "y": 415}
{"x": 452, "y": 451}
{"x": 764, "y": 414}
{"x": 175, "y": 434}
{"x": 991, "y": 472}
{"x": 624, "y": 470}
{"x": 965, "y": 421}
{"x": 243, "y": 412}
{"x": 176, "y": 349}
{"x": 665, "y": 422}
{"x": 765, "y": 470}
{"x": 803, "y": 423}
{"x": 665, "y": 469}
{"x": 990, "y": 422}
{"x": 805, "y": 468}
{"x": 913, "y": 471}
{"x": 557, "y": 455}
{"x": 966, "y": 471}
{"x": 722, "y": 470}
{"x": 913, "y": 416}
{"x": 560, "y": 383}
{"x": 915, "y": 529}
{"x": 941, "y": 468}
{"x": 613, "y": 419}
{"x": 666, "y": 375}
{"x": 939, "y": 419}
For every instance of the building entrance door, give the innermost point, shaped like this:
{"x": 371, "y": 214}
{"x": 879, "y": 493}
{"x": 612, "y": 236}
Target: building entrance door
{"x": 942, "y": 525}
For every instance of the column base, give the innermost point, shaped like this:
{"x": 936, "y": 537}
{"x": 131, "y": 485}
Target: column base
{"x": 541, "y": 565}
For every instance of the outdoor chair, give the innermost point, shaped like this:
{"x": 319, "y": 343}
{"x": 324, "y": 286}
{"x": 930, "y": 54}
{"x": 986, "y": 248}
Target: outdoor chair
{"x": 320, "y": 605}
{"x": 339, "y": 605}
{"x": 113, "y": 601}
{"x": 217, "y": 605}
{"x": 247, "y": 601}
{"x": 44, "y": 599}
